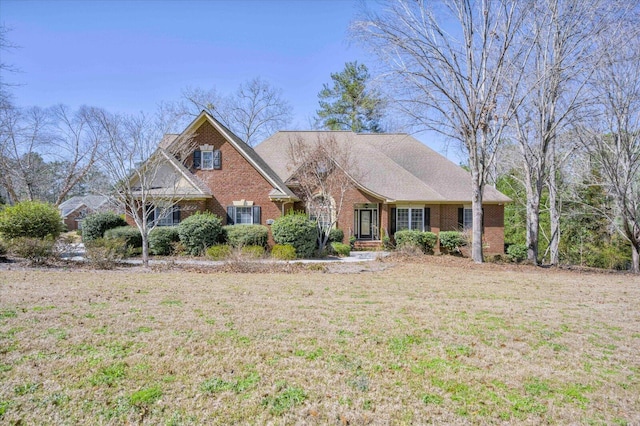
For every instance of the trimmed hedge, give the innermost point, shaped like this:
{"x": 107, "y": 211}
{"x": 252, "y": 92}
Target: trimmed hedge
{"x": 451, "y": 241}
{"x": 129, "y": 234}
{"x": 95, "y": 225}
{"x": 199, "y": 232}
{"x": 297, "y": 230}
{"x": 253, "y": 252}
{"x": 162, "y": 239}
{"x": 246, "y": 235}
{"x": 219, "y": 252}
{"x": 30, "y": 219}
{"x": 283, "y": 252}
{"x": 425, "y": 241}
{"x": 341, "y": 249}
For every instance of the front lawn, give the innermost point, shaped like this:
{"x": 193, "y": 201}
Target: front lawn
{"x": 415, "y": 343}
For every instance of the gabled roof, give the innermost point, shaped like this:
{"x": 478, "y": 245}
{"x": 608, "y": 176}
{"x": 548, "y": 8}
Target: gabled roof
{"x": 173, "y": 180}
{"x": 92, "y": 202}
{"x": 280, "y": 190}
{"x": 394, "y": 167}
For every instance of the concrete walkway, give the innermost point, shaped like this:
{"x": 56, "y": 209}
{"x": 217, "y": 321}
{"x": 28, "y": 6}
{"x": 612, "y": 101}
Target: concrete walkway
{"x": 76, "y": 253}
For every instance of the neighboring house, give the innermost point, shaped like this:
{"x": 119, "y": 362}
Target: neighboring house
{"x": 399, "y": 183}
{"x": 75, "y": 209}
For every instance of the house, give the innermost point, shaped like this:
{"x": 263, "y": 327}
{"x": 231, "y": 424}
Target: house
{"x": 75, "y": 209}
{"x": 400, "y": 183}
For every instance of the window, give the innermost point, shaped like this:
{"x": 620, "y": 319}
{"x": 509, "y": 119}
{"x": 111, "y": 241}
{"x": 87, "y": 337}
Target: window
{"x": 467, "y": 219}
{"x": 209, "y": 160}
{"x": 243, "y": 215}
{"x": 410, "y": 218}
{"x": 164, "y": 216}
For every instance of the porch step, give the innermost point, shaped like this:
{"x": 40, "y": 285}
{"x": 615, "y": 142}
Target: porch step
{"x": 368, "y": 245}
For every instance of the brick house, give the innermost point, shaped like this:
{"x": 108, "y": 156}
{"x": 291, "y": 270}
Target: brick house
{"x": 400, "y": 183}
{"x": 75, "y": 209}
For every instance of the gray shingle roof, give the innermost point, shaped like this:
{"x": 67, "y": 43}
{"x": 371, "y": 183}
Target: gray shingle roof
{"x": 396, "y": 167}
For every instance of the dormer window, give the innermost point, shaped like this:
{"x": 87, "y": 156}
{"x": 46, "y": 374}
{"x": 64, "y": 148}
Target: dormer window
{"x": 207, "y": 158}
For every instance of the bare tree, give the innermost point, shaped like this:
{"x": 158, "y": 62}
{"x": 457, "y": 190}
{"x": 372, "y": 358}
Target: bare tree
{"x": 255, "y": 111}
{"x": 145, "y": 182}
{"x": 5, "y": 46}
{"x": 613, "y": 137}
{"x": 324, "y": 170}
{"x": 23, "y": 136}
{"x": 452, "y": 58}
{"x": 562, "y": 35}
{"x": 45, "y": 153}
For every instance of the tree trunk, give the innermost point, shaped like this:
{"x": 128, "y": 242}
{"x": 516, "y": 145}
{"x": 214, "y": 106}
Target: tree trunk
{"x": 476, "y": 208}
{"x": 554, "y": 244}
{"x": 635, "y": 259}
{"x": 145, "y": 248}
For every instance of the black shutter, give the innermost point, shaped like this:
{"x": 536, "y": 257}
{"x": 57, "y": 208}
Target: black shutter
{"x": 392, "y": 222}
{"x": 151, "y": 213}
{"x": 461, "y": 218}
{"x": 256, "y": 214}
{"x": 197, "y": 158}
{"x": 231, "y": 214}
{"x": 217, "y": 159}
{"x": 176, "y": 215}
{"x": 427, "y": 219}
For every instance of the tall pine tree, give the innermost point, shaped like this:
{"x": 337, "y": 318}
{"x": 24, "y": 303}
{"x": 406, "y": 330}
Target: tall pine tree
{"x": 349, "y": 104}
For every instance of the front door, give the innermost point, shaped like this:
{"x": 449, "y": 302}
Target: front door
{"x": 365, "y": 223}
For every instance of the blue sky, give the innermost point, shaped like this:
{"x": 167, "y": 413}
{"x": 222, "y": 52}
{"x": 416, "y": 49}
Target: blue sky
{"x": 128, "y": 56}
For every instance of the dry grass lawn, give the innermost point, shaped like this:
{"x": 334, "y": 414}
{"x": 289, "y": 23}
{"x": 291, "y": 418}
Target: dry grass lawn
{"x": 452, "y": 343}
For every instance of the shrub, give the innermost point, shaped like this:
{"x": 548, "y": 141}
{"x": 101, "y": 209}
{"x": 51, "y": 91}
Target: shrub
{"x": 408, "y": 237}
{"x": 30, "y": 219}
{"x": 200, "y": 231}
{"x": 131, "y": 235}
{"x": 161, "y": 240}
{"x": 341, "y": 249}
{"x": 297, "y": 230}
{"x": 517, "y": 252}
{"x": 352, "y": 242}
{"x": 219, "y": 252}
{"x": 283, "y": 252}
{"x": 3, "y": 249}
{"x": 105, "y": 253}
{"x": 95, "y": 225}
{"x": 254, "y": 252}
{"x": 336, "y": 235}
{"x": 35, "y": 250}
{"x": 246, "y": 235}
{"x": 451, "y": 241}
{"x": 425, "y": 241}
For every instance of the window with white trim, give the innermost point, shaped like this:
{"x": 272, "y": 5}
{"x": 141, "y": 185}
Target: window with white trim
{"x": 410, "y": 218}
{"x": 244, "y": 215}
{"x": 211, "y": 160}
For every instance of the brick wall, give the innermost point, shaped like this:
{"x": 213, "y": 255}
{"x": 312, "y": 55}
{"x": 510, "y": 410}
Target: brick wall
{"x": 351, "y": 197}
{"x": 236, "y": 180}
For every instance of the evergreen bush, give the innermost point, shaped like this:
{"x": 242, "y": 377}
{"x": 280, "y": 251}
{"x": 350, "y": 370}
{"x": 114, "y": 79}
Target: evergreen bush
{"x": 95, "y": 225}
{"x": 219, "y": 252}
{"x": 162, "y": 239}
{"x": 336, "y": 235}
{"x": 517, "y": 252}
{"x": 130, "y": 235}
{"x": 297, "y": 230}
{"x": 283, "y": 252}
{"x": 199, "y": 232}
{"x": 451, "y": 241}
{"x": 341, "y": 249}
{"x": 425, "y": 241}
{"x": 30, "y": 219}
{"x": 246, "y": 235}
